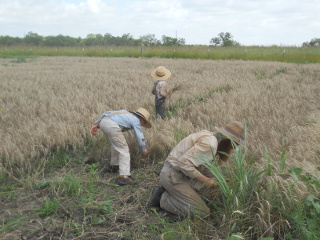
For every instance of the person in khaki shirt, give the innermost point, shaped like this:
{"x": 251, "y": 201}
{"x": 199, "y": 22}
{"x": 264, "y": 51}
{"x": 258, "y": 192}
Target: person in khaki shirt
{"x": 160, "y": 89}
{"x": 180, "y": 177}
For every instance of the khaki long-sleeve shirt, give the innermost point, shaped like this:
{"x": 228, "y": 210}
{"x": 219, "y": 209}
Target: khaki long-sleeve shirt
{"x": 160, "y": 89}
{"x": 188, "y": 155}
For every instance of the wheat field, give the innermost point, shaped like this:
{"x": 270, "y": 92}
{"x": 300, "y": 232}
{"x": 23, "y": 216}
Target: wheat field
{"x": 50, "y": 102}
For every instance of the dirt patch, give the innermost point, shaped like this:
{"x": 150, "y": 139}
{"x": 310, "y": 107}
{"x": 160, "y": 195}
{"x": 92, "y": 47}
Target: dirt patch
{"x": 103, "y": 210}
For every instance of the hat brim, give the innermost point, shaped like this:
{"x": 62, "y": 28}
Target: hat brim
{"x": 148, "y": 124}
{"x": 228, "y": 134}
{"x": 158, "y": 78}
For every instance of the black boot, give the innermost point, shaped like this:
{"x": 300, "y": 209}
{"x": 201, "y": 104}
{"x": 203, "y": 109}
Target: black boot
{"x": 154, "y": 201}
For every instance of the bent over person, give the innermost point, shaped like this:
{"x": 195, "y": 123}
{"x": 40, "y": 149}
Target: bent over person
{"x": 160, "y": 74}
{"x": 180, "y": 176}
{"x": 113, "y": 123}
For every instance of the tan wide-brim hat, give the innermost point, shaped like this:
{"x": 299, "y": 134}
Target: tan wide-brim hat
{"x": 141, "y": 112}
{"x": 233, "y": 130}
{"x": 160, "y": 73}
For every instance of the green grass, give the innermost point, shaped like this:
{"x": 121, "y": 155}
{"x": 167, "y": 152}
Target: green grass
{"x": 252, "y": 205}
{"x": 12, "y": 223}
{"x": 253, "y": 53}
{"x": 68, "y": 185}
{"x": 49, "y": 207}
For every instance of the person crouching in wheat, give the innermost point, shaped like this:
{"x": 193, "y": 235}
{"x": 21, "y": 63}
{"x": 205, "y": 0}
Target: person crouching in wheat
{"x": 180, "y": 177}
{"x": 113, "y": 123}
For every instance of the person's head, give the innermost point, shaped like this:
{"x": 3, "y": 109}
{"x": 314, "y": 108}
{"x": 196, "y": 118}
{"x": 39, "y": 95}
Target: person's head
{"x": 160, "y": 73}
{"x": 230, "y": 135}
{"x": 143, "y": 116}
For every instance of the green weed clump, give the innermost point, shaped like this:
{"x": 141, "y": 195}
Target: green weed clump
{"x": 251, "y": 204}
{"x": 49, "y": 207}
{"x": 68, "y": 186}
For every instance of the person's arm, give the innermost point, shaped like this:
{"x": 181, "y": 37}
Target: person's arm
{"x": 202, "y": 178}
{"x": 140, "y": 140}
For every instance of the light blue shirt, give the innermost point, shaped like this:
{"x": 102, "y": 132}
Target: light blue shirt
{"x": 127, "y": 121}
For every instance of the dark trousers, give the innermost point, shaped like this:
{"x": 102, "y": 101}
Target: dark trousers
{"x": 160, "y": 107}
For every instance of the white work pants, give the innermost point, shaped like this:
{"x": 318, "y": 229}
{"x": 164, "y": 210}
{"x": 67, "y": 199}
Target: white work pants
{"x": 120, "y": 154}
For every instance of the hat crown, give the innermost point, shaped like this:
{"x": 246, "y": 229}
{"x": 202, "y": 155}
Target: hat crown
{"x": 145, "y": 114}
{"x": 160, "y": 71}
{"x": 233, "y": 130}
{"x": 236, "y": 128}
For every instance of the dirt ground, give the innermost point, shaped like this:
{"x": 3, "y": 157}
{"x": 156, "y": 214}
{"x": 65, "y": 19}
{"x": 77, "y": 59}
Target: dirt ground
{"x": 109, "y": 211}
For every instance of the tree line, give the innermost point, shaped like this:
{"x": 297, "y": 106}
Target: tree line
{"x": 224, "y": 39}
{"x": 107, "y": 39}
{"x": 34, "y": 39}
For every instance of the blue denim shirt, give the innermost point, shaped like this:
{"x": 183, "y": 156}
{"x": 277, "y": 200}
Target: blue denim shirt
{"x": 127, "y": 121}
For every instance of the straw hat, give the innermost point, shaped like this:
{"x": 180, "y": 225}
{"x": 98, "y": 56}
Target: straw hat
{"x": 233, "y": 130}
{"x": 160, "y": 73}
{"x": 141, "y": 112}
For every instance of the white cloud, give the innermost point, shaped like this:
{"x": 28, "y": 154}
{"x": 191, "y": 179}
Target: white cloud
{"x": 251, "y": 22}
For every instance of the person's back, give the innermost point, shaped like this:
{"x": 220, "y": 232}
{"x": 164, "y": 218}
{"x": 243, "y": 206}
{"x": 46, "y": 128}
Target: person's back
{"x": 202, "y": 143}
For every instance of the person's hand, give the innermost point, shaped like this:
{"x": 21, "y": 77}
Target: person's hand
{"x": 145, "y": 152}
{"x": 94, "y": 129}
{"x": 211, "y": 183}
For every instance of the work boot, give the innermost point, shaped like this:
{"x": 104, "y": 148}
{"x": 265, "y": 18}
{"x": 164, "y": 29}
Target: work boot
{"x": 126, "y": 180}
{"x": 154, "y": 201}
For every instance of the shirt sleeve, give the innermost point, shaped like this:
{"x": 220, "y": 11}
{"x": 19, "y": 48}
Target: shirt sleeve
{"x": 193, "y": 158}
{"x": 141, "y": 141}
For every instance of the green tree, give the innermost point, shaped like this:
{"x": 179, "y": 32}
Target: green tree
{"x": 94, "y": 40}
{"x": 109, "y": 39}
{"x": 224, "y": 39}
{"x": 33, "y": 39}
{"x": 170, "y": 41}
{"x": 127, "y": 39}
{"x": 149, "y": 40}
{"x": 315, "y": 42}
{"x": 10, "y": 41}
{"x": 60, "y": 41}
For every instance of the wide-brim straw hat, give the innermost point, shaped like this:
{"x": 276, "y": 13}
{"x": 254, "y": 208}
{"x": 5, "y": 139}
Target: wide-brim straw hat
{"x": 233, "y": 130}
{"x": 141, "y": 112}
{"x": 160, "y": 73}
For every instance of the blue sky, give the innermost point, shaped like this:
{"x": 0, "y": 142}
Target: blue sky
{"x": 251, "y": 22}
